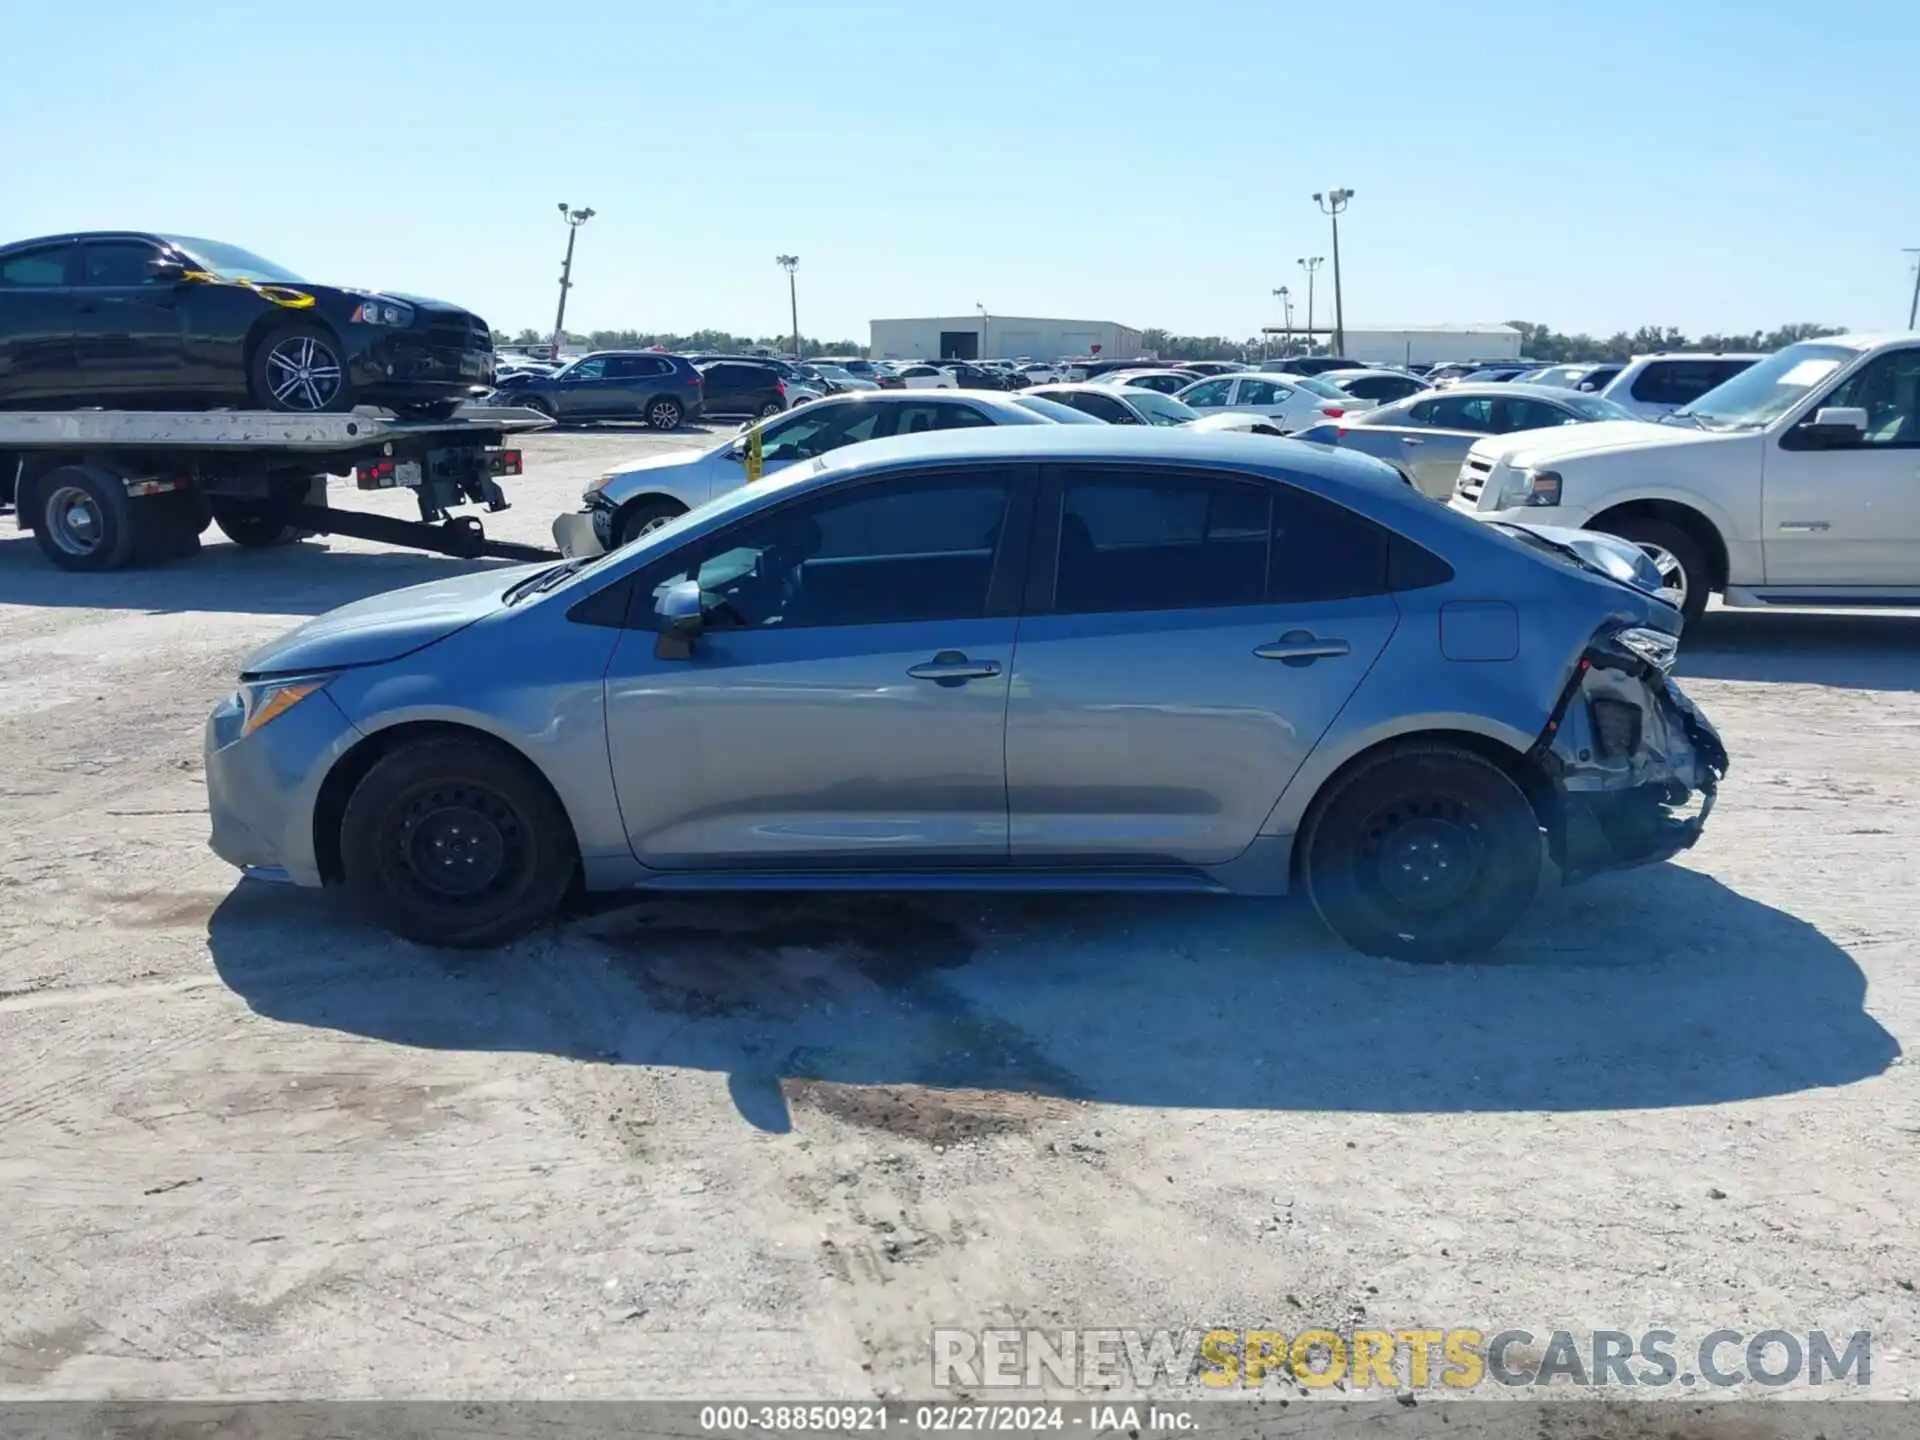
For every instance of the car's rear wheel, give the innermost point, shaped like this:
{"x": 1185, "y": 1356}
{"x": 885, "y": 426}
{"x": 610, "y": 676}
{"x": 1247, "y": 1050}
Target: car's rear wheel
{"x": 299, "y": 368}
{"x": 770, "y": 409}
{"x": 1684, "y": 578}
{"x": 454, "y": 842}
{"x": 1423, "y": 852}
{"x": 665, "y": 413}
{"x": 642, "y": 517}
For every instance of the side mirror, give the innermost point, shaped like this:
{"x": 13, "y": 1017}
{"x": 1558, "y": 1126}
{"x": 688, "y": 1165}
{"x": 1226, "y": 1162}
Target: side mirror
{"x": 1836, "y": 425}
{"x": 167, "y": 270}
{"x": 683, "y": 616}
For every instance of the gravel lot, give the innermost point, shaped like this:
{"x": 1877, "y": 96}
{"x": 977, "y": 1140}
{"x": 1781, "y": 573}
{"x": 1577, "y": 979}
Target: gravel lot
{"x": 711, "y": 1149}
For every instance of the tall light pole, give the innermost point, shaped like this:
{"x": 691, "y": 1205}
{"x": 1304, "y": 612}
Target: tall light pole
{"x": 985, "y": 320}
{"x": 791, "y": 263}
{"x": 1285, "y": 297}
{"x": 1913, "y": 306}
{"x": 1331, "y": 204}
{"x": 1310, "y": 263}
{"x": 575, "y": 219}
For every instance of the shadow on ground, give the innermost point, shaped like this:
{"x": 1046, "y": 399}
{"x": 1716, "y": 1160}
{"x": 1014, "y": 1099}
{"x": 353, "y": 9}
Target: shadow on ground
{"x": 950, "y": 1015}
{"x": 1848, "y": 652}
{"x": 307, "y": 578}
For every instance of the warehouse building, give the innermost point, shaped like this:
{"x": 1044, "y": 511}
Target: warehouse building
{"x": 999, "y": 337}
{"x": 1423, "y": 344}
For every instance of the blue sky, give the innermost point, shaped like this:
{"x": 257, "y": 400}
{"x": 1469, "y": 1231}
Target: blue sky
{"x": 1711, "y": 165}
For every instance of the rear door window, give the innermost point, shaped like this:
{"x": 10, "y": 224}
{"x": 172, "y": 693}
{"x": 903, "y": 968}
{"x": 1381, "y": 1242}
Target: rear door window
{"x": 41, "y": 268}
{"x": 1463, "y": 412}
{"x": 1213, "y": 392}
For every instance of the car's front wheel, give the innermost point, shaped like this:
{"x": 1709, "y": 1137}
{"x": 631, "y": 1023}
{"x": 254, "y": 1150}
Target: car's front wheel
{"x": 299, "y": 368}
{"x": 643, "y": 517}
{"x": 1423, "y": 852}
{"x": 457, "y": 843}
{"x": 1682, "y": 564}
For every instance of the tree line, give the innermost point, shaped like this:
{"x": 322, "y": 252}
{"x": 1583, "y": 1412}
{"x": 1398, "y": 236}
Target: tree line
{"x": 1538, "y": 342}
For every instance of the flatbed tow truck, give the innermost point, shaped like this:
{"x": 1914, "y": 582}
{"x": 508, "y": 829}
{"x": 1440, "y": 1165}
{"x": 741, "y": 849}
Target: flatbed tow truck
{"x": 102, "y": 489}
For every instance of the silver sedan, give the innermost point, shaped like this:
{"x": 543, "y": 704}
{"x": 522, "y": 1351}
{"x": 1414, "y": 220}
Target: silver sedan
{"x": 1426, "y": 437}
{"x": 1040, "y": 657}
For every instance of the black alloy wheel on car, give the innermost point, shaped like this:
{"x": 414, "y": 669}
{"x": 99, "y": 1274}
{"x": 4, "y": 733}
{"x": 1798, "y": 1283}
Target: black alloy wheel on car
{"x": 298, "y": 369}
{"x": 456, "y": 842}
{"x": 1423, "y": 852}
{"x": 665, "y": 413}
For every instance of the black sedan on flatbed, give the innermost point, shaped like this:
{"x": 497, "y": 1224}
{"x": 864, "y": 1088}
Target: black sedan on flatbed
{"x": 143, "y": 321}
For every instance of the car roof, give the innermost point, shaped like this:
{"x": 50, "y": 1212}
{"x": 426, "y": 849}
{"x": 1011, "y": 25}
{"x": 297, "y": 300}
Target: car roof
{"x": 70, "y": 236}
{"x": 1357, "y": 371}
{"x": 1702, "y": 355}
{"x": 1551, "y": 393}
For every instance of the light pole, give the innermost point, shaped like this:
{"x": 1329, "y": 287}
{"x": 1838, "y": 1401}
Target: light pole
{"x": 575, "y": 219}
{"x": 1331, "y": 204}
{"x": 1285, "y": 297}
{"x": 1913, "y": 306}
{"x": 985, "y": 320}
{"x": 1310, "y": 263}
{"x": 791, "y": 263}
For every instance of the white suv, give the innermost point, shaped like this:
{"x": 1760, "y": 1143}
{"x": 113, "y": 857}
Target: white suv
{"x": 1795, "y": 483}
{"x": 1654, "y": 385}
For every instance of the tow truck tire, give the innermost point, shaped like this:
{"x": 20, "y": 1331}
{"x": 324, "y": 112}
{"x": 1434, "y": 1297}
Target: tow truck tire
{"x": 1670, "y": 548}
{"x": 260, "y": 524}
{"x": 456, "y": 843}
{"x": 83, "y": 518}
{"x": 1423, "y": 852}
{"x": 643, "y": 515}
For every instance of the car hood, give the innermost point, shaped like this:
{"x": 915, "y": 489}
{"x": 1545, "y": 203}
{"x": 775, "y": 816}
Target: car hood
{"x": 673, "y": 460}
{"x": 385, "y": 627}
{"x": 1602, "y": 437}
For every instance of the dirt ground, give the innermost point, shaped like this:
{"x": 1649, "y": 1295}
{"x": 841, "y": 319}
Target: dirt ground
{"x": 722, "y": 1148}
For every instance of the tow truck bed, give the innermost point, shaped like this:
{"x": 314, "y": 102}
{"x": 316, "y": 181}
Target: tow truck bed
{"x": 104, "y": 488}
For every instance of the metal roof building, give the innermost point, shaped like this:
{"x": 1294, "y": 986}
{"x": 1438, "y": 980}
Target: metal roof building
{"x": 999, "y": 337}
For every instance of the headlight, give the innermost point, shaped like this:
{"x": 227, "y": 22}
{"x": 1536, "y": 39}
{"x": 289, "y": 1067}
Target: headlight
{"x": 594, "y": 487}
{"x": 265, "y": 701}
{"x": 1538, "y": 487}
{"x": 1649, "y": 647}
{"x": 383, "y": 312}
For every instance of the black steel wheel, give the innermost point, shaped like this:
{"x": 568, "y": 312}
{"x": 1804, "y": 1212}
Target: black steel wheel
{"x": 456, "y": 843}
{"x": 299, "y": 368}
{"x": 1423, "y": 852}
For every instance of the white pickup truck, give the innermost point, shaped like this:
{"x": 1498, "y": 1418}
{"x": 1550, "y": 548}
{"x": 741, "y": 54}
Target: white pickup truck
{"x": 1797, "y": 482}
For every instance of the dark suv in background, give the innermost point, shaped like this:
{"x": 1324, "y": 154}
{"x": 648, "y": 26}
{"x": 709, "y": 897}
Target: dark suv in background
{"x": 754, "y": 388}
{"x": 133, "y": 320}
{"x": 663, "y": 390}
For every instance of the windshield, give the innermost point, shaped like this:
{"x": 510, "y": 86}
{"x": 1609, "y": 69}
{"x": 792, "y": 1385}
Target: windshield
{"x": 1766, "y": 390}
{"x": 1054, "y": 410}
{"x": 1592, "y": 407}
{"x": 230, "y": 262}
{"x": 1161, "y": 409}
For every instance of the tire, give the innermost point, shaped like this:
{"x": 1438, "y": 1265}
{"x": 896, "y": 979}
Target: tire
{"x": 1674, "y": 552}
{"x": 455, "y": 843}
{"x": 771, "y": 409}
{"x": 300, "y": 369}
{"x": 641, "y": 516}
{"x": 256, "y": 524}
{"x": 539, "y": 403}
{"x": 1375, "y": 849}
{"x": 665, "y": 413}
{"x": 83, "y": 518}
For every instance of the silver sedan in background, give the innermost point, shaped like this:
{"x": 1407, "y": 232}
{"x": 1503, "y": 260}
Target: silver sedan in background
{"x": 1426, "y": 438}
{"x": 1036, "y": 657}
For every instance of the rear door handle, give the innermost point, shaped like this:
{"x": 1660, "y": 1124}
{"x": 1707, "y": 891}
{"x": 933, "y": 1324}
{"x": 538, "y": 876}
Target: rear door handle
{"x": 1806, "y": 527}
{"x": 951, "y": 665}
{"x": 1302, "y": 647}
{"x": 1411, "y": 440}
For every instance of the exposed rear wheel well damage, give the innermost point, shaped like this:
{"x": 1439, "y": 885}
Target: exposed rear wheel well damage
{"x": 330, "y": 806}
{"x": 1701, "y": 530}
{"x": 1524, "y": 770}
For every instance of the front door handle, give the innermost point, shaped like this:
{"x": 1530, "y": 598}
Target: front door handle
{"x": 1411, "y": 440}
{"x": 1302, "y": 647}
{"x": 953, "y": 665}
{"x": 1805, "y": 527}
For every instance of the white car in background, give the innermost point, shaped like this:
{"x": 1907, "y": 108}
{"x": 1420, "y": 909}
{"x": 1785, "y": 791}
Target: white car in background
{"x": 642, "y": 495}
{"x": 1292, "y": 401}
{"x": 925, "y": 377}
{"x": 1656, "y": 385}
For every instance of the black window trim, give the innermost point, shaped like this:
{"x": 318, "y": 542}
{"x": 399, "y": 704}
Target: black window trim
{"x": 70, "y": 271}
{"x": 1011, "y": 564}
{"x": 77, "y": 264}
